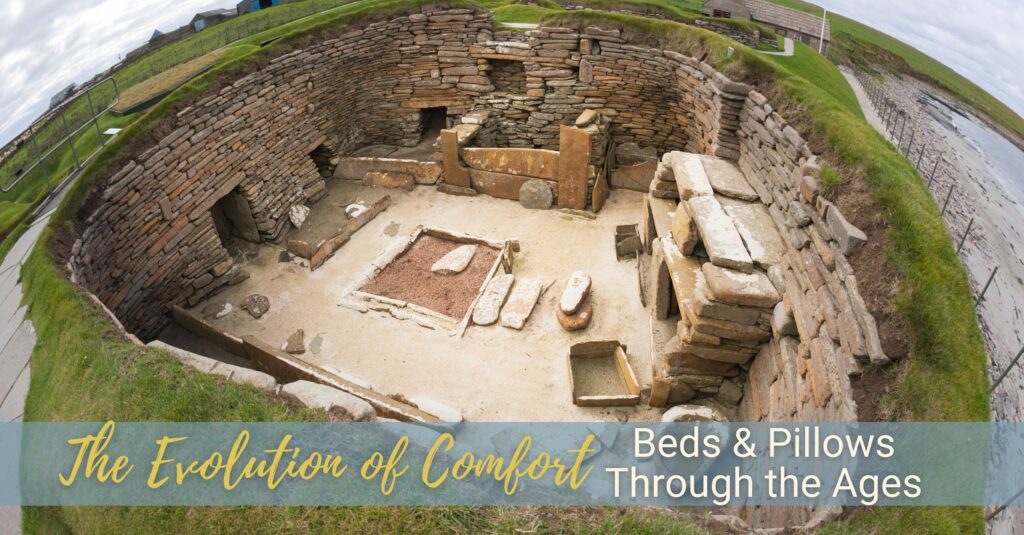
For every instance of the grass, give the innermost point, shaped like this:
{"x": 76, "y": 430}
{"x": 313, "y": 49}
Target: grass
{"x": 859, "y": 44}
{"x": 807, "y": 63}
{"x": 165, "y": 81}
{"x": 83, "y": 371}
{"x": 16, "y": 206}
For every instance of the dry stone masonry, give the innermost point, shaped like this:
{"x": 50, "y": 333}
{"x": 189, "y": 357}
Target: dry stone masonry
{"x": 754, "y": 303}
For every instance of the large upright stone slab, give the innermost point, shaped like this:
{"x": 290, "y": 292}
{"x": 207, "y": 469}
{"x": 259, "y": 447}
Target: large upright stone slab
{"x": 736, "y": 288}
{"x": 520, "y": 304}
{"x": 759, "y": 233}
{"x": 489, "y": 305}
{"x": 720, "y": 237}
{"x": 727, "y": 179}
{"x": 573, "y": 159}
{"x": 691, "y": 179}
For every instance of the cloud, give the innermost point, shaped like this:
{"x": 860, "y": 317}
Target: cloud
{"x": 979, "y": 40}
{"x": 48, "y": 44}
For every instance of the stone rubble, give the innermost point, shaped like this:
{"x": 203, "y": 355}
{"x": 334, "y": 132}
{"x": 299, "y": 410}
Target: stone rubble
{"x": 256, "y": 305}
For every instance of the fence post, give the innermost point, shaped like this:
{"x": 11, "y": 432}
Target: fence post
{"x": 948, "y": 197}
{"x": 1006, "y": 371}
{"x": 903, "y": 128}
{"x": 920, "y": 157}
{"x": 937, "y": 160}
{"x": 68, "y": 140}
{"x": 910, "y": 146}
{"x": 984, "y": 290}
{"x": 964, "y": 238}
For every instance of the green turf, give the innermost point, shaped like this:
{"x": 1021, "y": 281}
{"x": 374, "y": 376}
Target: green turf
{"x": 807, "y": 63}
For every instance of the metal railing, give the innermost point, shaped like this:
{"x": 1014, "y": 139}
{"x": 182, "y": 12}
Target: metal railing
{"x": 68, "y": 137}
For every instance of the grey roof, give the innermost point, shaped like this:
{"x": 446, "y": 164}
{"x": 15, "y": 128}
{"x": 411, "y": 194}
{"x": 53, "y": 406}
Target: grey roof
{"x": 214, "y": 13}
{"x": 774, "y": 14}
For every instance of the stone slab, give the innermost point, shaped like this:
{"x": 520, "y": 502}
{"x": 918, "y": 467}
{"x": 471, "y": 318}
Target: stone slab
{"x": 636, "y": 177}
{"x": 456, "y": 261}
{"x": 742, "y": 289}
{"x": 318, "y": 396}
{"x": 727, "y": 179}
{"x": 521, "y": 302}
{"x": 488, "y": 307}
{"x": 534, "y": 163}
{"x": 691, "y": 179}
{"x": 720, "y": 237}
{"x": 759, "y": 233}
{"x": 577, "y": 288}
{"x": 356, "y": 168}
{"x": 684, "y": 230}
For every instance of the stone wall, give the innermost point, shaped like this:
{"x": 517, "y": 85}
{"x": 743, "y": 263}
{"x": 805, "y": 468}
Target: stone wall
{"x": 151, "y": 242}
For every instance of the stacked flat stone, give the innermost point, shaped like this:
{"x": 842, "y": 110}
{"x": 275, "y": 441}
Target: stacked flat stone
{"x": 724, "y": 299}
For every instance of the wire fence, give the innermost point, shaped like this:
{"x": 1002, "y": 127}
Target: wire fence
{"x": 929, "y": 161}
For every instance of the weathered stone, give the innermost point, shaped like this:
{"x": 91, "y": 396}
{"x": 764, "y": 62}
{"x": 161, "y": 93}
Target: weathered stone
{"x": 577, "y": 321}
{"x": 720, "y": 237}
{"x": 759, "y": 233}
{"x": 520, "y": 304}
{"x": 489, "y": 305}
{"x": 390, "y": 179}
{"x": 577, "y": 288}
{"x": 514, "y": 161}
{"x": 809, "y": 189}
{"x": 256, "y": 305}
{"x": 849, "y": 237}
{"x": 318, "y": 396}
{"x": 684, "y": 230}
{"x": 296, "y": 344}
{"x": 636, "y": 177}
{"x": 729, "y": 330}
{"x": 586, "y": 118}
{"x": 297, "y": 214}
{"x": 689, "y": 173}
{"x": 660, "y": 280}
{"x": 727, "y": 179}
{"x": 729, "y": 393}
{"x": 536, "y": 194}
{"x": 456, "y": 261}
{"x": 693, "y": 413}
{"x": 783, "y": 323}
{"x": 735, "y": 288}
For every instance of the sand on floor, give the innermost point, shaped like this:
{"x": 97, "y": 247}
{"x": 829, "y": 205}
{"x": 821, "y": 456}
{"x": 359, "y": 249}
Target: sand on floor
{"x": 491, "y": 373}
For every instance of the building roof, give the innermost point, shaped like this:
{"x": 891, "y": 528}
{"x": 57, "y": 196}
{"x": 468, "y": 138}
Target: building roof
{"x": 214, "y": 13}
{"x": 774, "y": 14}
{"x": 156, "y": 33}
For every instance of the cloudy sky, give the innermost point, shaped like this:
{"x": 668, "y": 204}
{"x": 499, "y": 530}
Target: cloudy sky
{"x": 47, "y": 44}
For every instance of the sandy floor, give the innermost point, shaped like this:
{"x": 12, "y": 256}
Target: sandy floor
{"x": 492, "y": 373}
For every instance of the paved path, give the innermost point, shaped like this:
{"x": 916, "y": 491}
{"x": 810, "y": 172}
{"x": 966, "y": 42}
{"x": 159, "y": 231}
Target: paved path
{"x": 17, "y": 338}
{"x": 787, "y": 49}
{"x": 865, "y": 103}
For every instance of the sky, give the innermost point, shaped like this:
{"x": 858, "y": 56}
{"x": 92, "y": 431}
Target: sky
{"x": 48, "y": 44}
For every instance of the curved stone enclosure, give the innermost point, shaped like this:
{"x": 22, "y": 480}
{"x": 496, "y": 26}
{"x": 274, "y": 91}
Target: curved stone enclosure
{"x": 152, "y": 242}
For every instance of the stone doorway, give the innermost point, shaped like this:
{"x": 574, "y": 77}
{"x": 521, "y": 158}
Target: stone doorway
{"x": 432, "y": 121}
{"x": 232, "y": 216}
